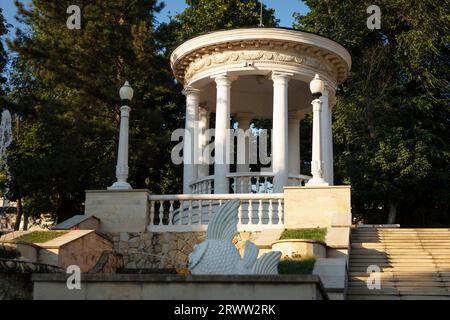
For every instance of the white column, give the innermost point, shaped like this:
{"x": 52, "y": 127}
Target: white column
{"x": 294, "y": 143}
{"x": 280, "y": 131}
{"x": 190, "y": 139}
{"x": 327, "y": 138}
{"x": 243, "y": 151}
{"x": 122, "y": 154}
{"x": 244, "y": 120}
{"x": 203, "y": 169}
{"x": 221, "y": 167}
{"x": 317, "y": 148}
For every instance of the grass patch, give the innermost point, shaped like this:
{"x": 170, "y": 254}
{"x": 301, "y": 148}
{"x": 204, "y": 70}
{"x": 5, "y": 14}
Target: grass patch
{"x": 297, "y": 266}
{"x": 40, "y": 236}
{"x": 311, "y": 234}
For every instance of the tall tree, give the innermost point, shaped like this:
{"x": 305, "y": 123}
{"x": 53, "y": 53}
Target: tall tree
{"x": 392, "y": 118}
{"x": 66, "y": 89}
{"x": 210, "y": 15}
{"x": 3, "y": 54}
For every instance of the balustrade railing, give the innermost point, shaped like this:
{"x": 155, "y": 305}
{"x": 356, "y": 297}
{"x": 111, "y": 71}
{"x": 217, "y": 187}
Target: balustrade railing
{"x": 252, "y": 182}
{"x": 203, "y": 186}
{"x": 189, "y": 213}
{"x": 246, "y": 182}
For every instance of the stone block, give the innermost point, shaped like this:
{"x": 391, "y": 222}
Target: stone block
{"x": 316, "y": 207}
{"x": 341, "y": 219}
{"x": 119, "y": 211}
{"x": 332, "y": 272}
{"x": 338, "y": 237}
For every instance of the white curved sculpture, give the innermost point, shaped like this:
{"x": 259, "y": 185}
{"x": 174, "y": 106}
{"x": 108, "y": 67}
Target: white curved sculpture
{"x": 218, "y": 255}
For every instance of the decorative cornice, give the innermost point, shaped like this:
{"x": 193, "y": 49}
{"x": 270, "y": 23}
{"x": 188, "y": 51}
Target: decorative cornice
{"x": 248, "y": 47}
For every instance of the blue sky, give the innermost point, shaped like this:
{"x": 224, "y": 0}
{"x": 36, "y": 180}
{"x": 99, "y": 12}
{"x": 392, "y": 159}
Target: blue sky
{"x": 284, "y": 10}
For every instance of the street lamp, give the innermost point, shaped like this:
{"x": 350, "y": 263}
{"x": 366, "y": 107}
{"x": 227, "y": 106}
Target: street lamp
{"x": 317, "y": 87}
{"x": 126, "y": 94}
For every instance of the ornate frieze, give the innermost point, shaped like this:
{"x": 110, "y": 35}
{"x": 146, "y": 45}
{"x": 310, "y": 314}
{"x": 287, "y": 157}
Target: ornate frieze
{"x": 212, "y": 60}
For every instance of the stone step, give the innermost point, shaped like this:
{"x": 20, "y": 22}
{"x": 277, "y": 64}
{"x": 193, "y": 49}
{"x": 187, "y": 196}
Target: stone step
{"x": 415, "y": 263}
{"x": 403, "y": 236}
{"x": 398, "y": 269}
{"x": 395, "y": 262}
{"x": 399, "y": 284}
{"x": 389, "y": 233}
{"x": 402, "y": 274}
{"x": 402, "y": 244}
{"x": 403, "y": 241}
{"x": 385, "y": 265}
{"x": 395, "y": 258}
{"x": 419, "y": 297}
{"x": 367, "y": 291}
{"x": 423, "y": 291}
{"x": 400, "y": 230}
{"x": 351, "y": 296}
{"x": 394, "y": 279}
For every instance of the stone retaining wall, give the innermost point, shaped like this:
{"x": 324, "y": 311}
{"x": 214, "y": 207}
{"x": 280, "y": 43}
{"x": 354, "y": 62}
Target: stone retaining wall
{"x": 176, "y": 287}
{"x": 146, "y": 250}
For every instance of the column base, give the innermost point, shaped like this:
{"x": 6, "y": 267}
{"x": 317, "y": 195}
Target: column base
{"x": 120, "y": 185}
{"x": 316, "y": 181}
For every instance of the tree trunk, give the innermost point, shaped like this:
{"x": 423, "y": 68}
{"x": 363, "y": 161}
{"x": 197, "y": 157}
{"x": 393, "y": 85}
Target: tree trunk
{"x": 25, "y": 221}
{"x": 392, "y": 213}
{"x": 19, "y": 214}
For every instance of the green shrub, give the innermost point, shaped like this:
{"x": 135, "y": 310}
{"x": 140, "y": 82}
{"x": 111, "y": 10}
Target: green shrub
{"x": 311, "y": 234}
{"x": 296, "y": 266}
{"x": 40, "y": 236}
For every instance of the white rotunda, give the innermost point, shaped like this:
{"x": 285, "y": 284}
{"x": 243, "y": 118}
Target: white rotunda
{"x": 259, "y": 73}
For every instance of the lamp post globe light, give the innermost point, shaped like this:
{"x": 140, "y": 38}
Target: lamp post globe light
{"x": 126, "y": 95}
{"x": 126, "y": 92}
{"x": 317, "y": 87}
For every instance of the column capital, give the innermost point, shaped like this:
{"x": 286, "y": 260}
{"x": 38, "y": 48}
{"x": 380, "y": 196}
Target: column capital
{"x": 279, "y": 76}
{"x": 296, "y": 116}
{"x": 125, "y": 108}
{"x": 191, "y": 91}
{"x": 317, "y": 105}
{"x": 224, "y": 79}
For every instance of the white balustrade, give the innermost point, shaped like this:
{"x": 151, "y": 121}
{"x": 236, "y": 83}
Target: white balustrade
{"x": 203, "y": 185}
{"x": 190, "y": 213}
{"x": 251, "y": 182}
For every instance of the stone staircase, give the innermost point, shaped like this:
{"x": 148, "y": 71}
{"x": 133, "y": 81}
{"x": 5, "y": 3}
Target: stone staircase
{"x": 414, "y": 263}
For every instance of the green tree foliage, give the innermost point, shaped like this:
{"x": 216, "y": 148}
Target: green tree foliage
{"x": 3, "y": 54}
{"x": 66, "y": 86}
{"x": 210, "y": 15}
{"x": 391, "y": 121}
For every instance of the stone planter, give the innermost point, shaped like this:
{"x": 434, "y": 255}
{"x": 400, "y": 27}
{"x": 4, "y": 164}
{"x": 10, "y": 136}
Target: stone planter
{"x": 302, "y": 247}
